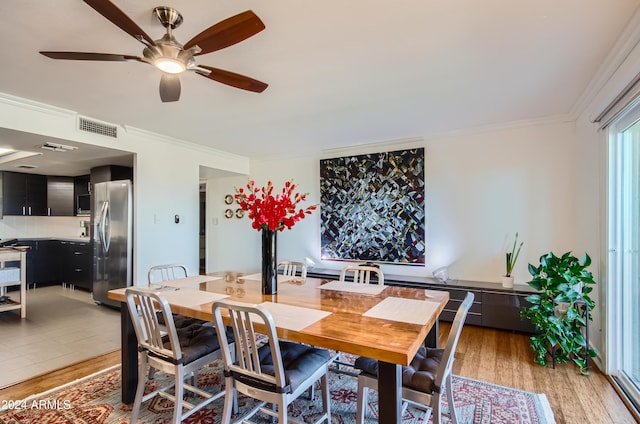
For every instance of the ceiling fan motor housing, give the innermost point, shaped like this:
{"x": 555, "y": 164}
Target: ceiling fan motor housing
{"x": 168, "y": 16}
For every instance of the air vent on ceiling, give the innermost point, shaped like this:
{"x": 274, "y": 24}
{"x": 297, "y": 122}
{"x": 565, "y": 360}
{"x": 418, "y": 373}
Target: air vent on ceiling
{"x": 56, "y": 147}
{"x": 23, "y": 166}
{"x": 96, "y": 127}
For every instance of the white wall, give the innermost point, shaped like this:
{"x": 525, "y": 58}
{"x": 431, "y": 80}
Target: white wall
{"x": 618, "y": 71}
{"x": 590, "y": 219}
{"x": 166, "y": 179}
{"x": 480, "y": 189}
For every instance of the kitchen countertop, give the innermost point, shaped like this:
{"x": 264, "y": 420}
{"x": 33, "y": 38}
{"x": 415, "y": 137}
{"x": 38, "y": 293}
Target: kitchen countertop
{"x": 71, "y": 239}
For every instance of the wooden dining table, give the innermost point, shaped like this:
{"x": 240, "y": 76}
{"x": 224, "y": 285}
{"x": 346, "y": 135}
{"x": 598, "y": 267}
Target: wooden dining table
{"x": 387, "y": 323}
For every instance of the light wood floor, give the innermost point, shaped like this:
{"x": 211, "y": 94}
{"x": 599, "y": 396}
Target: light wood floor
{"x": 491, "y": 355}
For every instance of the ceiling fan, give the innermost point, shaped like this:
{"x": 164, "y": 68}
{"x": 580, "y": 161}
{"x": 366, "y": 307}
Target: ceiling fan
{"x": 171, "y": 57}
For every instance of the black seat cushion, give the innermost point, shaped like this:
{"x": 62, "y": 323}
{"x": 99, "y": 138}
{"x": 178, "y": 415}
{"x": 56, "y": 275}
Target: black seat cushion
{"x": 419, "y": 375}
{"x": 197, "y": 341}
{"x": 299, "y": 361}
{"x": 180, "y": 321}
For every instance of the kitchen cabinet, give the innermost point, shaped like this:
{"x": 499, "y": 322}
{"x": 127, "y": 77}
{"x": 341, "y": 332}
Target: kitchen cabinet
{"x": 60, "y": 198}
{"x": 82, "y": 191}
{"x": 101, "y": 174}
{"x": 81, "y": 184}
{"x": 76, "y": 264}
{"x": 41, "y": 266}
{"x": 51, "y": 261}
{"x": 24, "y": 194}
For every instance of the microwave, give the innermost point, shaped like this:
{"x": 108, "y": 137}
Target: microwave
{"x": 84, "y": 204}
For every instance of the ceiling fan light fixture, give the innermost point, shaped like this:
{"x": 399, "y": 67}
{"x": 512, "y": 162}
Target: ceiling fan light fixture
{"x": 170, "y": 56}
{"x": 170, "y": 65}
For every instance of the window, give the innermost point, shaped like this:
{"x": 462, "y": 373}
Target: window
{"x": 623, "y": 242}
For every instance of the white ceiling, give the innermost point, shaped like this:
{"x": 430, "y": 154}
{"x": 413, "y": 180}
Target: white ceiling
{"x": 69, "y": 163}
{"x": 340, "y": 73}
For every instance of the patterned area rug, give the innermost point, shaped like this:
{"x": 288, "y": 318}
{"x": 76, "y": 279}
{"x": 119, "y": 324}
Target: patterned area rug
{"x": 96, "y": 400}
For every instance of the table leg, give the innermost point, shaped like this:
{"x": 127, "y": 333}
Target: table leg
{"x": 432, "y": 337}
{"x": 129, "y": 356}
{"x": 389, "y": 392}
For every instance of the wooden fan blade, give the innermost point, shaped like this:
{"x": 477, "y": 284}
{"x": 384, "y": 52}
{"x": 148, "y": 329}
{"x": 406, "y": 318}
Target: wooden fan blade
{"x": 108, "y": 57}
{"x": 169, "y": 88}
{"x": 233, "y": 79}
{"x": 120, "y": 19}
{"x": 227, "y": 33}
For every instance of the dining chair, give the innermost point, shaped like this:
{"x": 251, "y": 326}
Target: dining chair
{"x": 361, "y": 274}
{"x": 179, "y": 352}
{"x": 274, "y": 372}
{"x": 160, "y": 273}
{"x": 424, "y": 379}
{"x": 292, "y": 269}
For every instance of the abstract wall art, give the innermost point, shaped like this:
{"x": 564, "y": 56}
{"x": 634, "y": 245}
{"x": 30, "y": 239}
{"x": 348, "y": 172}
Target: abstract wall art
{"x": 372, "y": 207}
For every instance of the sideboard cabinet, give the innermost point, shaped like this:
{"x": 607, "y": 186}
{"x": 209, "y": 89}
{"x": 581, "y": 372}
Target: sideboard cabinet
{"x": 493, "y": 306}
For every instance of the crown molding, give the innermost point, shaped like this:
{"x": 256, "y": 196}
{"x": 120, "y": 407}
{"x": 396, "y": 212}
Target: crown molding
{"x": 33, "y": 105}
{"x": 621, "y": 50}
{"x": 181, "y": 143}
{"x": 505, "y": 126}
{"x": 374, "y": 147}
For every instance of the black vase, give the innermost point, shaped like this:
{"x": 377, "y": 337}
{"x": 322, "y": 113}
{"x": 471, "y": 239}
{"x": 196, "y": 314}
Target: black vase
{"x": 269, "y": 262}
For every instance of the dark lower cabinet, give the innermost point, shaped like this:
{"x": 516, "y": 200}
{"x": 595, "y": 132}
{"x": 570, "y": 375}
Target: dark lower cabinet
{"x": 57, "y": 261}
{"x": 40, "y": 265}
{"x": 474, "y": 317}
{"x": 32, "y": 259}
{"x": 492, "y": 307}
{"x": 502, "y": 310}
{"x": 77, "y": 267}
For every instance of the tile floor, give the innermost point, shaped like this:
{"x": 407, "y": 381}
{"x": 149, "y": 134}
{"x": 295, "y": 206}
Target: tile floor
{"x": 62, "y": 327}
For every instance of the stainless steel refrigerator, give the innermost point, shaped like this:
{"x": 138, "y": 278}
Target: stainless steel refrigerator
{"x": 111, "y": 232}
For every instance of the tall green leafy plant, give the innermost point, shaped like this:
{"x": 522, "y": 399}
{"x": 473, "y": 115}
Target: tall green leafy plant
{"x": 560, "y": 281}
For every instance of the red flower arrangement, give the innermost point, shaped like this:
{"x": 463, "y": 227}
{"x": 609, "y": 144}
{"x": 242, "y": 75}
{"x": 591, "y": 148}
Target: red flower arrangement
{"x": 272, "y": 212}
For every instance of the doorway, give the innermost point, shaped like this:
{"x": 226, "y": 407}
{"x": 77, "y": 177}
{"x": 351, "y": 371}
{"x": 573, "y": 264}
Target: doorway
{"x": 203, "y": 228}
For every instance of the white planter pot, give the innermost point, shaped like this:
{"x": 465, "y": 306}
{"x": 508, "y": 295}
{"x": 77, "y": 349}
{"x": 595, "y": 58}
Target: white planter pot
{"x": 507, "y": 282}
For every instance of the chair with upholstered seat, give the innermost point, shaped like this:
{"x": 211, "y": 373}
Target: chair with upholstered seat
{"x": 292, "y": 269}
{"x": 425, "y": 379}
{"x": 358, "y": 274}
{"x": 179, "y": 352}
{"x": 160, "y": 273}
{"x": 276, "y": 372}
{"x": 361, "y": 274}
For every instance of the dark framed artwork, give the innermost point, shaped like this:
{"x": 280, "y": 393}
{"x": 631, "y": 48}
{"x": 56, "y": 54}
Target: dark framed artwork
{"x": 372, "y": 207}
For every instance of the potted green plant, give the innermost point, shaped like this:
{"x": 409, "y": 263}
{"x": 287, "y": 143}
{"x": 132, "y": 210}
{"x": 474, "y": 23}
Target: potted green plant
{"x": 559, "y": 308}
{"x": 512, "y": 257}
